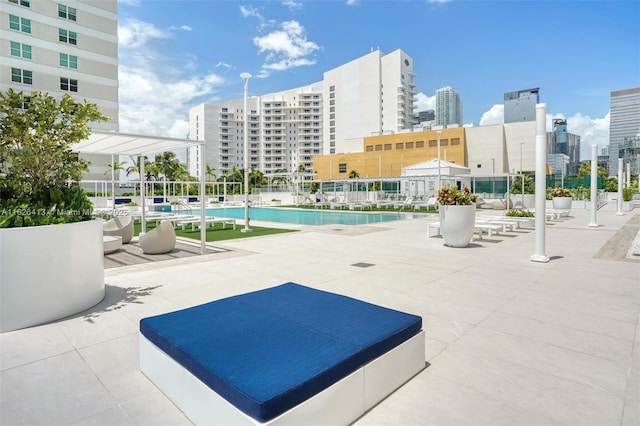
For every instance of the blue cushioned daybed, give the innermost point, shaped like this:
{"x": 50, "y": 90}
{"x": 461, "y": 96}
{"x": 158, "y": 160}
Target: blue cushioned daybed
{"x": 287, "y": 354}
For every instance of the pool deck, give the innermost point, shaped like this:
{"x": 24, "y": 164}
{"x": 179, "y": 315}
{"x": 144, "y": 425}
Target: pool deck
{"x": 509, "y": 341}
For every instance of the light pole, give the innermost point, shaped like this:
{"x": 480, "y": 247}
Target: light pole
{"x": 522, "y": 174}
{"x": 245, "y": 77}
{"x": 439, "y": 177}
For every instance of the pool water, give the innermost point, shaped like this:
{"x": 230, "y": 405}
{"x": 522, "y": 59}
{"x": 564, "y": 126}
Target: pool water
{"x": 306, "y": 217}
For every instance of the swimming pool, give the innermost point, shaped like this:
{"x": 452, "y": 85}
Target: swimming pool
{"x": 307, "y": 217}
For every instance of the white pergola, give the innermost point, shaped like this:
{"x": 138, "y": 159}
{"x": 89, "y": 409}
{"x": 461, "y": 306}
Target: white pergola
{"x": 115, "y": 143}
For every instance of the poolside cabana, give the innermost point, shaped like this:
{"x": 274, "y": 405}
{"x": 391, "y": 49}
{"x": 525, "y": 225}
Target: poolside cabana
{"x": 114, "y": 143}
{"x": 448, "y": 173}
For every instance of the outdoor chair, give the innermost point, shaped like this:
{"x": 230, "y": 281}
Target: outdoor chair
{"x": 119, "y": 226}
{"x": 161, "y": 239}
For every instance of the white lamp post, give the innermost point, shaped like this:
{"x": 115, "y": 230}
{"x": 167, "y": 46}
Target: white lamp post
{"x": 522, "y": 174}
{"x": 246, "y": 76}
{"x": 439, "y": 177}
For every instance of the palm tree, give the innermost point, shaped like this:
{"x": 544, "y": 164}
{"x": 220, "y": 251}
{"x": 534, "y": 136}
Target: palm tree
{"x": 353, "y": 174}
{"x": 211, "y": 175}
{"x": 117, "y": 165}
{"x": 279, "y": 177}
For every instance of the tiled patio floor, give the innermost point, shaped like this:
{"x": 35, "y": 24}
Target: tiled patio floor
{"x": 509, "y": 341}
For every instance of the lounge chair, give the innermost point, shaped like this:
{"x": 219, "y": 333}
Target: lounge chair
{"x": 161, "y": 239}
{"x": 406, "y": 203}
{"x": 119, "y": 226}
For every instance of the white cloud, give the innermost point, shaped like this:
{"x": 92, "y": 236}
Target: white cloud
{"x": 250, "y": 11}
{"x": 130, "y": 2}
{"x": 438, "y": 1}
{"x": 286, "y": 47}
{"x": 494, "y": 116}
{"x": 181, "y": 27}
{"x": 292, "y": 5}
{"x": 223, "y": 64}
{"x": 425, "y": 102}
{"x": 133, "y": 33}
{"x": 154, "y": 95}
{"x": 352, "y": 2}
{"x": 591, "y": 130}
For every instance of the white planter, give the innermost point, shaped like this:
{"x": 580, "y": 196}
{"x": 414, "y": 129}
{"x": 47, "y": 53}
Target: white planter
{"x": 561, "y": 203}
{"x": 526, "y": 201}
{"x": 49, "y": 272}
{"x": 457, "y": 224}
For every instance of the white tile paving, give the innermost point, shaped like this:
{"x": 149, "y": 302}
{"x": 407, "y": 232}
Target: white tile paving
{"x": 509, "y": 341}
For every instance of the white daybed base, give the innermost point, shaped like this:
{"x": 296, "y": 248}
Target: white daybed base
{"x": 341, "y": 403}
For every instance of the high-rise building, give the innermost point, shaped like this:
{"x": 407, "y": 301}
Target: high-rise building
{"x": 374, "y": 94}
{"x": 559, "y": 141}
{"x": 624, "y": 122}
{"x": 63, "y": 47}
{"x": 424, "y": 116}
{"x": 520, "y": 105}
{"x": 448, "y": 107}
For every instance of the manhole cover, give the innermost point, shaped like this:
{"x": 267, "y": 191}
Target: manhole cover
{"x": 363, "y": 264}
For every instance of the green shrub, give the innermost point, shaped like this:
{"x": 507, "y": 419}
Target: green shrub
{"x": 519, "y": 213}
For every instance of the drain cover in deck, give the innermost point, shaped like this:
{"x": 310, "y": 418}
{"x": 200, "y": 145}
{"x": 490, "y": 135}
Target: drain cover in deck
{"x": 363, "y": 264}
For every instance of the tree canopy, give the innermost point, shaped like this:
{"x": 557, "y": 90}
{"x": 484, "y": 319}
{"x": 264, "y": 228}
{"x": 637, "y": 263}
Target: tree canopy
{"x": 37, "y": 166}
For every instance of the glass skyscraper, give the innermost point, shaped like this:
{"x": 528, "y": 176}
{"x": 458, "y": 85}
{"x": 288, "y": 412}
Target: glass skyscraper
{"x": 448, "y": 107}
{"x": 624, "y": 122}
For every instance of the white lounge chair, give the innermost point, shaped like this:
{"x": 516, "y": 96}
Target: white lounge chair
{"x": 406, "y": 203}
{"x": 161, "y": 239}
{"x": 195, "y": 221}
{"x": 119, "y": 226}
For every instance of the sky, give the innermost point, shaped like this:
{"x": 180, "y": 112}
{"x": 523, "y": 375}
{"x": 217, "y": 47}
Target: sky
{"x": 177, "y": 54}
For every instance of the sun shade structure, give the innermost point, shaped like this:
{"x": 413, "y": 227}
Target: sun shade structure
{"x": 115, "y": 143}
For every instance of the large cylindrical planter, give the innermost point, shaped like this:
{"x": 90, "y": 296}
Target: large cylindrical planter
{"x": 561, "y": 203}
{"x": 49, "y": 272}
{"x": 457, "y": 224}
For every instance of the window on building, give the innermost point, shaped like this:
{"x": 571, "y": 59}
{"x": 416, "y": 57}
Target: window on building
{"x": 332, "y": 109}
{"x": 21, "y": 76}
{"x": 420, "y": 144}
{"x": 332, "y": 88}
{"x": 20, "y": 24}
{"x": 444, "y": 142}
{"x": 67, "y": 36}
{"x": 409, "y": 145}
{"x": 332, "y": 102}
{"x": 20, "y": 50}
{"x": 66, "y": 12}
{"x": 387, "y": 147}
{"x": 68, "y": 84}
{"x": 400, "y": 145}
{"x": 332, "y": 137}
{"x": 24, "y": 3}
{"x": 332, "y": 116}
{"x": 68, "y": 61}
{"x": 332, "y": 95}
{"x": 379, "y": 147}
{"x": 332, "y": 123}
{"x": 369, "y": 148}
{"x": 433, "y": 142}
{"x": 342, "y": 168}
{"x": 455, "y": 141}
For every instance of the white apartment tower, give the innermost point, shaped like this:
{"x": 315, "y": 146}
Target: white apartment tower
{"x": 66, "y": 46}
{"x": 448, "y": 107}
{"x": 285, "y": 131}
{"x": 373, "y": 94}
{"x": 370, "y": 95}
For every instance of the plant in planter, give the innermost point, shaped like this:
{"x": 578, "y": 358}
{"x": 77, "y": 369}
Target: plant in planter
{"x": 519, "y": 213}
{"x": 561, "y": 198}
{"x": 45, "y": 217}
{"x": 560, "y": 192}
{"x": 457, "y": 216}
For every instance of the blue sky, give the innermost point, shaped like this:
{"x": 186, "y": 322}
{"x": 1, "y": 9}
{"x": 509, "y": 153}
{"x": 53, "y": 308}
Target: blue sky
{"x": 176, "y": 54}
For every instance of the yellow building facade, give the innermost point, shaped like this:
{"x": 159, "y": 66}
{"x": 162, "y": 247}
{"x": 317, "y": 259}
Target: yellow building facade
{"x": 386, "y": 155}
